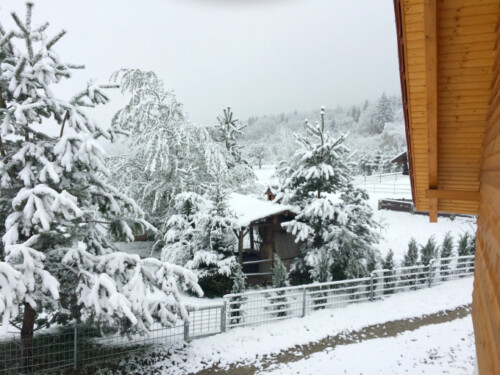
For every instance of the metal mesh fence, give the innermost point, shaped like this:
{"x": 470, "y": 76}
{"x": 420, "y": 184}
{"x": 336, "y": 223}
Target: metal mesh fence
{"x": 257, "y": 307}
{"x": 70, "y": 348}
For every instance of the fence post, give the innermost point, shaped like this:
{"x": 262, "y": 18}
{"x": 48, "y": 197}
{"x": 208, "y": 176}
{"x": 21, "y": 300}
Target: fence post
{"x": 75, "y": 346}
{"x": 431, "y": 265}
{"x": 223, "y": 317}
{"x": 372, "y": 292}
{"x": 186, "y": 329}
{"x": 304, "y": 304}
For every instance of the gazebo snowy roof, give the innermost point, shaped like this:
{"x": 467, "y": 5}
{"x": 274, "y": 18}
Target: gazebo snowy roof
{"x": 250, "y": 209}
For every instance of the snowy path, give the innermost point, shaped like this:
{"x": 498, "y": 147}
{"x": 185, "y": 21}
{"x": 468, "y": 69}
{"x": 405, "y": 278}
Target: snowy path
{"x": 446, "y": 348}
{"x": 408, "y": 345}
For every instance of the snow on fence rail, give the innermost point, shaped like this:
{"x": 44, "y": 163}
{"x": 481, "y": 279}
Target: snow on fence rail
{"x": 389, "y": 183}
{"x": 75, "y": 347}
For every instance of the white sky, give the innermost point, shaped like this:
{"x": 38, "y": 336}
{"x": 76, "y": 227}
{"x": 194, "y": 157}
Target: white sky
{"x": 259, "y": 56}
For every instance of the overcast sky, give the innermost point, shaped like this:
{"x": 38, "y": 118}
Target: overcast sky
{"x": 259, "y": 56}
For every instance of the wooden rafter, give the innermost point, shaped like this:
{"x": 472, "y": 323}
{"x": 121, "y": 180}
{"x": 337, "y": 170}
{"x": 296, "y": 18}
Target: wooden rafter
{"x": 430, "y": 29}
{"x": 452, "y": 195}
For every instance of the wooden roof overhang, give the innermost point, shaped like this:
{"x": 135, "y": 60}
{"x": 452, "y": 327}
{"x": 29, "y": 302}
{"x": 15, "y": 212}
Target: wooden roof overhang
{"x": 447, "y": 57}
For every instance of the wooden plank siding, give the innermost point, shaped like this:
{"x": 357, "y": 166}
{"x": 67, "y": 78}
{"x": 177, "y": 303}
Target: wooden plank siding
{"x": 486, "y": 296}
{"x": 465, "y": 33}
{"x": 468, "y": 134}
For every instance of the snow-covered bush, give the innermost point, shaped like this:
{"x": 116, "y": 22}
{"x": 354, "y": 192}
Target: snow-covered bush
{"x": 334, "y": 223}
{"x": 60, "y": 212}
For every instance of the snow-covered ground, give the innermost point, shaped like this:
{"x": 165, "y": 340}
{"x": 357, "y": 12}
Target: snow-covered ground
{"x": 400, "y": 227}
{"x": 249, "y": 346}
{"x": 446, "y": 348}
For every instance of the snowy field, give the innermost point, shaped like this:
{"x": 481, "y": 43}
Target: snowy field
{"x": 398, "y": 227}
{"x": 253, "y": 346}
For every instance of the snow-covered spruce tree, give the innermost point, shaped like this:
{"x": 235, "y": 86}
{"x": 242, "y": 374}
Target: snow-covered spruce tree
{"x": 411, "y": 256}
{"x": 238, "y": 287}
{"x": 446, "y": 252}
{"x": 466, "y": 244}
{"x": 58, "y": 253}
{"x": 337, "y": 230}
{"x": 355, "y": 252}
{"x": 181, "y": 229}
{"x": 389, "y": 265}
{"x": 280, "y": 280}
{"x": 280, "y": 273}
{"x": 214, "y": 245}
{"x": 227, "y": 131}
{"x": 429, "y": 251}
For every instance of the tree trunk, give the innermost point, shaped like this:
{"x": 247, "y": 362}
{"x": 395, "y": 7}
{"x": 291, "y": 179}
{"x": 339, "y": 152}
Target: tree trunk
{"x": 260, "y": 163}
{"x": 27, "y": 336}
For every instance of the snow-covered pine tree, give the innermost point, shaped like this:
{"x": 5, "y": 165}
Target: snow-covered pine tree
{"x": 354, "y": 244}
{"x": 278, "y": 301}
{"x": 466, "y": 244}
{"x": 411, "y": 259}
{"x": 236, "y": 302}
{"x": 411, "y": 256}
{"x": 213, "y": 259}
{"x": 280, "y": 273}
{"x": 429, "y": 251}
{"x": 338, "y": 231}
{"x": 227, "y": 131}
{"x": 389, "y": 265}
{"x": 447, "y": 246}
{"x": 181, "y": 229}
{"x": 60, "y": 211}
{"x": 446, "y": 252}
{"x": 382, "y": 114}
{"x": 318, "y": 169}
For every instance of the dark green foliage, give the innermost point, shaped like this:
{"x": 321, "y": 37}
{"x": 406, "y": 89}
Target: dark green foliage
{"x": 466, "y": 244}
{"x": 411, "y": 256}
{"x": 300, "y": 276}
{"x": 216, "y": 285}
{"x": 238, "y": 287}
{"x": 388, "y": 264}
{"x": 447, "y": 246}
{"x": 280, "y": 280}
{"x": 429, "y": 251}
{"x": 280, "y": 273}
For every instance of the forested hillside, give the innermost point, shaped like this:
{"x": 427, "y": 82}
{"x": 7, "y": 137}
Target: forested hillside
{"x": 375, "y": 133}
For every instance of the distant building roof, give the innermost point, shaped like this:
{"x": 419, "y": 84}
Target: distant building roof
{"x": 401, "y": 158}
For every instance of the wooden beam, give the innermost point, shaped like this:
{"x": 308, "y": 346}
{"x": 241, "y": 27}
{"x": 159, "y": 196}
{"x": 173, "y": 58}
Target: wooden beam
{"x": 240, "y": 246}
{"x": 455, "y": 195}
{"x": 252, "y": 246}
{"x": 430, "y": 29}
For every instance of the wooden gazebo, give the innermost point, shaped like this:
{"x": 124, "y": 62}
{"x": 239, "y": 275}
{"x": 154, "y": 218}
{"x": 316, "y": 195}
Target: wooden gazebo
{"x": 262, "y": 219}
{"x": 449, "y": 54}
